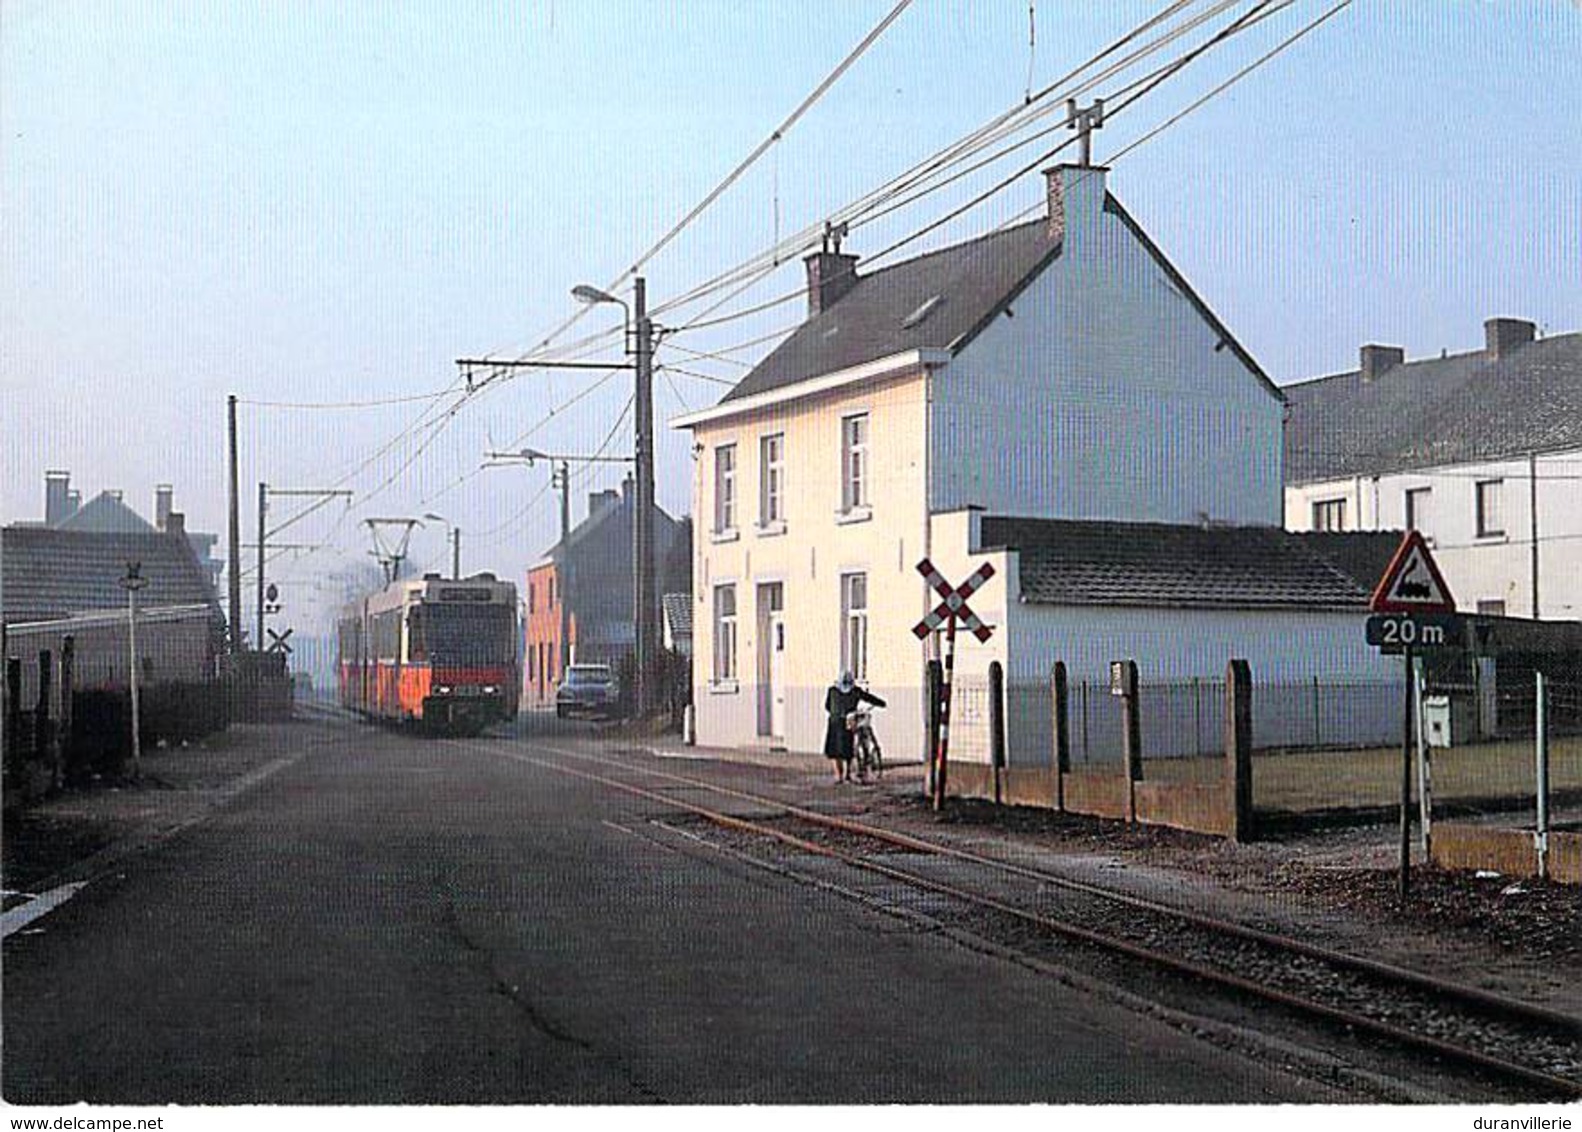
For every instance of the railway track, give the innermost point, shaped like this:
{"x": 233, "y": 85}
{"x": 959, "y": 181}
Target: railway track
{"x": 1533, "y": 1051}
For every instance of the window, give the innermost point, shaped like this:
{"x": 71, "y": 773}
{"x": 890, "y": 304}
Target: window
{"x": 532, "y": 598}
{"x": 854, "y": 462}
{"x": 551, "y": 604}
{"x": 854, "y": 625}
{"x": 1491, "y": 519}
{"x": 1417, "y": 500}
{"x": 771, "y": 482}
{"x": 725, "y": 488}
{"x": 1329, "y": 515}
{"x": 724, "y": 634}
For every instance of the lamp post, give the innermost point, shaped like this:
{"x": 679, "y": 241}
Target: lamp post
{"x": 644, "y": 605}
{"x": 453, "y": 532}
{"x": 133, "y": 582}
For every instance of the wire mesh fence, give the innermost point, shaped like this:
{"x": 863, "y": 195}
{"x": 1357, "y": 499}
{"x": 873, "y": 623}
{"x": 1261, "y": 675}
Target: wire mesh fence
{"x": 1320, "y": 744}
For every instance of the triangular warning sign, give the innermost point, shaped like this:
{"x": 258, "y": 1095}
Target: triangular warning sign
{"x": 1412, "y": 582}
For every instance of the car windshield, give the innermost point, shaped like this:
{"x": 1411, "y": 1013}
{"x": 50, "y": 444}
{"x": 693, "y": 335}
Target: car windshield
{"x": 577, "y": 674}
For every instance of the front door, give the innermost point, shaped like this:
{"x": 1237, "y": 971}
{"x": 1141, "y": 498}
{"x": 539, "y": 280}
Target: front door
{"x": 771, "y": 660}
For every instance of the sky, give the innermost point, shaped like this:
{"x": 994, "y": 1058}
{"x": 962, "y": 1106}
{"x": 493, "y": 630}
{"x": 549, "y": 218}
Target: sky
{"x": 312, "y": 203}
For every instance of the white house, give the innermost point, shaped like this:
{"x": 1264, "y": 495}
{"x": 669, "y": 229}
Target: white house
{"x": 1058, "y": 369}
{"x": 1181, "y": 601}
{"x": 1481, "y": 451}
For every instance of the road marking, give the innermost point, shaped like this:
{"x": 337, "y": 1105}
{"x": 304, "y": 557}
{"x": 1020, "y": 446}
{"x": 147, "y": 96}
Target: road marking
{"x": 20, "y": 917}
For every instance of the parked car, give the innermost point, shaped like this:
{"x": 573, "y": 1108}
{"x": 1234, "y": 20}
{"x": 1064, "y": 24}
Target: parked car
{"x": 588, "y": 689}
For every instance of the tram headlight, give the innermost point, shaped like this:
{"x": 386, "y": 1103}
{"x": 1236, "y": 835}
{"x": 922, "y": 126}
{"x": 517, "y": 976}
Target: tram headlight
{"x": 491, "y": 689}
{"x": 444, "y": 689}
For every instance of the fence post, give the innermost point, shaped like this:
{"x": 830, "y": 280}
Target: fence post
{"x": 1087, "y": 750}
{"x": 1123, "y": 682}
{"x": 1318, "y": 732}
{"x": 1238, "y": 747}
{"x": 1060, "y": 705}
{"x": 934, "y": 675}
{"x": 43, "y": 732}
{"x": 1197, "y": 717}
{"x": 1541, "y": 739}
{"x": 13, "y": 703}
{"x": 997, "y": 725}
{"x": 68, "y": 691}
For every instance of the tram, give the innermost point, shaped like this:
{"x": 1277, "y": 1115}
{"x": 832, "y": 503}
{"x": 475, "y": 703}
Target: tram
{"x": 437, "y": 652}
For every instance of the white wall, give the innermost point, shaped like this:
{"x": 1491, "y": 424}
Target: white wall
{"x": 1105, "y": 397}
{"x": 1477, "y": 568}
{"x": 808, "y": 558}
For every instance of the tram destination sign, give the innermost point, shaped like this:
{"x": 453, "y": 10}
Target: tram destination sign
{"x": 1394, "y": 633}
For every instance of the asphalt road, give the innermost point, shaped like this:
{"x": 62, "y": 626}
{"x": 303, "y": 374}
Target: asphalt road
{"x": 399, "y": 920}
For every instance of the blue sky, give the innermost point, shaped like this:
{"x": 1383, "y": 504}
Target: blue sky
{"x": 330, "y": 202}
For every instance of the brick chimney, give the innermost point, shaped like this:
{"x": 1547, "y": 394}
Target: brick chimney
{"x": 162, "y": 499}
{"x": 1504, "y": 335}
{"x": 57, "y": 498}
{"x": 1076, "y": 203}
{"x": 175, "y": 524}
{"x": 1376, "y": 359}
{"x": 830, "y": 274}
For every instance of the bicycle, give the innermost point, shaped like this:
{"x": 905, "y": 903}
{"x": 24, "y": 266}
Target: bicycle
{"x": 866, "y": 752}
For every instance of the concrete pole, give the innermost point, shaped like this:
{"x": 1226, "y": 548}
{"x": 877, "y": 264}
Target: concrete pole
{"x": 997, "y": 725}
{"x": 564, "y": 569}
{"x": 644, "y": 602}
{"x": 1238, "y": 747}
{"x": 234, "y": 565}
{"x": 131, "y": 636}
{"x": 1541, "y": 741}
{"x": 68, "y": 684}
{"x": 1060, "y": 705}
{"x": 263, "y": 503}
{"x": 455, "y": 553}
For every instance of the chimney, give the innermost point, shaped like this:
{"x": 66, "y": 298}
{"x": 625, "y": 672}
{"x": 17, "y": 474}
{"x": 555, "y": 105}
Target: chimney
{"x": 1377, "y": 359}
{"x": 626, "y": 489}
{"x": 57, "y": 498}
{"x": 599, "y": 500}
{"x": 162, "y": 498}
{"x": 829, "y": 276}
{"x": 175, "y": 524}
{"x": 1504, "y": 335}
{"x": 116, "y": 494}
{"x": 1076, "y": 201}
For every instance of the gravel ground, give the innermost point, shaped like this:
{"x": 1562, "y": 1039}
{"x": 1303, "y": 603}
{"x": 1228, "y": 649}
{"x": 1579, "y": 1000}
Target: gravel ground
{"x": 1522, "y": 938}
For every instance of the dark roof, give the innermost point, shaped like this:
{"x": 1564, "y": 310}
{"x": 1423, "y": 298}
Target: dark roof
{"x": 105, "y": 513}
{"x": 958, "y": 290}
{"x": 1461, "y": 409}
{"x": 973, "y": 282}
{"x": 678, "y": 611}
{"x": 53, "y": 572}
{"x": 1079, "y": 562}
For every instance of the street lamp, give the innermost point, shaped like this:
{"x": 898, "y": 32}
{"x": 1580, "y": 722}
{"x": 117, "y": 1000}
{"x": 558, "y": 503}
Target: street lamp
{"x": 645, "y": 605}
{"x": 454, "y": 533}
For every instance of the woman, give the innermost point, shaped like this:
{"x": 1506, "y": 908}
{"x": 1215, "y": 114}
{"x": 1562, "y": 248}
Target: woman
{"x": 842, "y": 699}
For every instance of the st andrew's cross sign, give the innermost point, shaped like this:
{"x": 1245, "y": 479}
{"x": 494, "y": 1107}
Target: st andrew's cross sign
{"x": 952, "y": 608}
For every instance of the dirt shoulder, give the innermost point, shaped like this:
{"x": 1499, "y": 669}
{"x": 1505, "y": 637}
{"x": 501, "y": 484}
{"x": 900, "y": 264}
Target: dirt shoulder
{"x": 67, "y": 836}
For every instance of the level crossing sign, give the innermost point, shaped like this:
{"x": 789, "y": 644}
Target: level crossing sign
{"x": 952, "y": 609}
{"x": 954, "y": 604}
{"x": 1412, "y": 582}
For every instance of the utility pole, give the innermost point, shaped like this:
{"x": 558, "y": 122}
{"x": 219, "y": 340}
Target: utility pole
{"x": 645, "y": 603}
{"x": 234, "y": 565}
{"x": 563, "y": 475}
{"x": 323, "y": 495}
{"x": 455, "y": 553}
{"x": 263, "y": 504}
{"x": 561, "y": 478}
